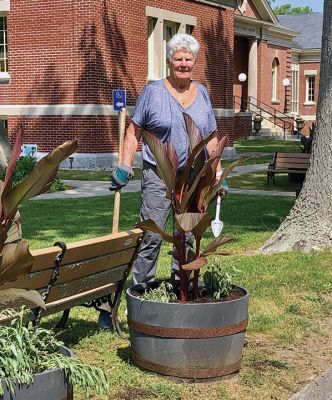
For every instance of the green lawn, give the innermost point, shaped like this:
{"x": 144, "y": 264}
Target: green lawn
{"x": 291, "y": 296}
{"x": 91, "y": 175}
{"x": 258, "y": 181}
{"x": 266, "y": 146}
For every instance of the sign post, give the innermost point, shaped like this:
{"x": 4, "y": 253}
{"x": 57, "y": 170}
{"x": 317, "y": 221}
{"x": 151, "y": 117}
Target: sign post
{"x": 119, "y": 104}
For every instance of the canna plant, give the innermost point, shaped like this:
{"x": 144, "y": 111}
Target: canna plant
{"x": 15, "y": 258}
{"x": 190, "y": 192}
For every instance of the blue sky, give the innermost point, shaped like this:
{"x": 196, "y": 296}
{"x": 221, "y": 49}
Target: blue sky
{"x": 316, "y": 5}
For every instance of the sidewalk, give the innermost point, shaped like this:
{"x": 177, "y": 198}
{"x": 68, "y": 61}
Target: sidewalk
{"x": 100, "y": 188}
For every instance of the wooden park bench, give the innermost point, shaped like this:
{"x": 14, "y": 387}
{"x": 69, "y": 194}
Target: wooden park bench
{"x": 92, "y": 272}
{"x": 296, "y": 163}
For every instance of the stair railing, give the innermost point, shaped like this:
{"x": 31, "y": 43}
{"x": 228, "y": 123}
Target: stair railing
{"x": 245, "y": 104}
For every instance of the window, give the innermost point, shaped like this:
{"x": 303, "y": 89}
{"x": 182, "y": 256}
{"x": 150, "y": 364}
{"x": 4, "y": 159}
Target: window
{"x": 3, "y": 45}
{"x": 310, "y": 89}
{"x": 4, "y": 122}
{"x": 162, "y": 25}
{"x": 295, "y": 89}
{"x": 275, "y": 64}
{"x": 170, "y": 29}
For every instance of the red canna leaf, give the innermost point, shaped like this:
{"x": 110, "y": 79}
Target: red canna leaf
{"x": 214, "y": 189}
{"x": 150, "y": 225}
{"x": 195, "y": 265}
{"x": 39, "y": 180}
{"x": 162, "y": 153}
{"x": 212, "y": 246}
{"x": 188, "y": 222}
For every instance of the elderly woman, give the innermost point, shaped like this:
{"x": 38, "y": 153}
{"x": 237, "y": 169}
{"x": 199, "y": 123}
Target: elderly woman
{"x": 160, "y": 109}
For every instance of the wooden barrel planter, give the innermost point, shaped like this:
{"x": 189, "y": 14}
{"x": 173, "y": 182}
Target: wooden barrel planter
{"x": 192, "y": 340}
{"x": 50, "y": 385}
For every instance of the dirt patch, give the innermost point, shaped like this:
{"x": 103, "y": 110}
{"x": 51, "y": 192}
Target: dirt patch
{"x": 312, "y": 356}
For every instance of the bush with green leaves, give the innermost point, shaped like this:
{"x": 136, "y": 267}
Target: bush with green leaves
{"x": 23, "y": 168}
{"x": 27, "y": 350}
{"x": 218, "y": 283}
{"x": 163, "y": 293}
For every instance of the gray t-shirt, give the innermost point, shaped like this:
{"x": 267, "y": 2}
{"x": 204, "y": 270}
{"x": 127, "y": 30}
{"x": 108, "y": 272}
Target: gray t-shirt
{"x": 160, "y": 113}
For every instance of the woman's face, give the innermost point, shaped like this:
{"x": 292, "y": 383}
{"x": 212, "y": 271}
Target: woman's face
{"x": 181, "y": 64}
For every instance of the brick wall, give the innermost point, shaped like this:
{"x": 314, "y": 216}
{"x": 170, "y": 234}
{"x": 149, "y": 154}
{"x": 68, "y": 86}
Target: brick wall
{"x": 77, "y": 52}
{"x": 266, "y": 54}
{"x": 242, "y": 126}
{"x": 241, "y": 51}
{"x": 307, "y": 109}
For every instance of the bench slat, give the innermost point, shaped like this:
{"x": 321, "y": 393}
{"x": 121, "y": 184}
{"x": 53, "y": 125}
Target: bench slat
{"x": 294, "y": 155}
{"x": 85, "y": 284}
{"x": 286, "y": 171}
{"x": 279, "y": 165}
{"x": 79, "y": 299}
{"x": 86, "y": 249}
{"x": 39, "y": 280}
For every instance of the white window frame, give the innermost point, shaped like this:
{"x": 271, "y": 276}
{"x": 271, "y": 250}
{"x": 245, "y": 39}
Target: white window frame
{"x": 160, "y": 22}
{"x": 295, "y": 88}
{"x": 4, "y": 75}
{"x": 310, "y": 90}
{"x": 275, "y": 65}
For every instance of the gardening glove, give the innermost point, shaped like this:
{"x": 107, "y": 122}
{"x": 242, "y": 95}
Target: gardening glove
{"x": 120, "y": 177}
{"x": 224, "y": 186}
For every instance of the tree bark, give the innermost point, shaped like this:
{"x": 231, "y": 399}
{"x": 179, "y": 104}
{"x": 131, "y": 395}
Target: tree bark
{"x": 5, "y": 148}
{"x": 309, "y": 224}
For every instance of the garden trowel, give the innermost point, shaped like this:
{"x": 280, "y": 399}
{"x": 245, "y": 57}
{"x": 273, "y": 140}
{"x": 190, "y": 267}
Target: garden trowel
{"x": 216, "y": 224}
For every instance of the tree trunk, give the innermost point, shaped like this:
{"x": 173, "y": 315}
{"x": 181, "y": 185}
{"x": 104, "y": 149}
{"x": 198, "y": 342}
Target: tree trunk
{"x": 309, "y": 224}
{"x": 5, "y": 148}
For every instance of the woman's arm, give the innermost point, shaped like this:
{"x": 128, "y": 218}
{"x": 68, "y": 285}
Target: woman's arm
{"x": 132, "y": 138}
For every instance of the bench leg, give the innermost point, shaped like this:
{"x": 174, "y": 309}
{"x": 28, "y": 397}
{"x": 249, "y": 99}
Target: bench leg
{"x": 61, "y": 324}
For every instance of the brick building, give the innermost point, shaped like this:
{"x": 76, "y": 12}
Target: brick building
{"x": 60, "y": 61}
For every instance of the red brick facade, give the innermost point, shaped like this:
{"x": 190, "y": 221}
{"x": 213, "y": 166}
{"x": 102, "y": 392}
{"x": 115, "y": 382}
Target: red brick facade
{"x": 78, "y": 52}
{"x": 75, "y": 53}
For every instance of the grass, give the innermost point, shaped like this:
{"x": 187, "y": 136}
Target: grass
{"x": 291, "y": 297}
{"x": 83, "y": 175}
{"x": 266, "y": 146}
{"x": 258, "y": 181}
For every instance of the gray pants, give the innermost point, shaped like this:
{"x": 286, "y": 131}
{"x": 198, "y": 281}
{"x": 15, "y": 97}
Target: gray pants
{"x": 154, "y": 206}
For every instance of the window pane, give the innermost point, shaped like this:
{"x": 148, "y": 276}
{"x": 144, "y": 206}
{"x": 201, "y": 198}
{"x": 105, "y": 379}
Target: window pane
{"x": 2, "y": 66}
{"x": 189, "y": 29}
{"x": 2, "y": 24}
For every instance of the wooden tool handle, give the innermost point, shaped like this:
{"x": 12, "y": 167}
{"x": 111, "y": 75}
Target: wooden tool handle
{"x": 116, "y": 210}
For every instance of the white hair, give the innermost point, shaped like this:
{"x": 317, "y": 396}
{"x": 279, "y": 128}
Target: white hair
{"x": 182, "y": 41}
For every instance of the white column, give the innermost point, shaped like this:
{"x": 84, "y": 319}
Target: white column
{"x": 252, "y": 69}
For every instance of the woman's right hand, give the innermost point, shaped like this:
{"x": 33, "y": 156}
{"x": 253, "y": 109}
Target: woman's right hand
{"x": 120, "y": 177}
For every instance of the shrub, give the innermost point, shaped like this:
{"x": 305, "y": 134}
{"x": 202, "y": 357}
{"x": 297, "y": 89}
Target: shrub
{"x": 24, "y": 167}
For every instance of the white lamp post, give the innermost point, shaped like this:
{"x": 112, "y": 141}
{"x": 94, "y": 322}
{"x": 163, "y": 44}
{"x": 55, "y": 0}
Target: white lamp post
{"x": 286, "y": 83}
{"x": 242, "y": 78}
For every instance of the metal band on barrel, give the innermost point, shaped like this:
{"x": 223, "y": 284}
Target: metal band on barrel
{"x": 187, "y": 333}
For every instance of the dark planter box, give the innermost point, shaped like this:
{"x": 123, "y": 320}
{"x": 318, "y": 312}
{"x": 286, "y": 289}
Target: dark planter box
{"x": 202, "y": 340}
{"x": 49, "y": 385}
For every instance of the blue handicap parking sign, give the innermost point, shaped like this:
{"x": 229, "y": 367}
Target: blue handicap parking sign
{"x": 119, "y": 99}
